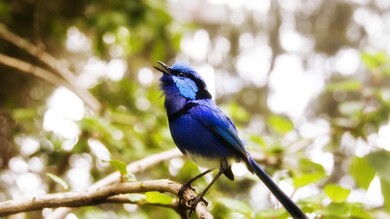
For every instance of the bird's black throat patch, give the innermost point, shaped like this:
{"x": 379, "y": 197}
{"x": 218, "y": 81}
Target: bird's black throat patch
{"x": 182, "y": 111}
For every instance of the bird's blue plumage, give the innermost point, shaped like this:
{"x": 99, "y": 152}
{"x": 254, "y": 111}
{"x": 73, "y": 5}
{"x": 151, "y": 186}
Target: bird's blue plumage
{"x": 203, "y": 132}
{"x": 213, "y": 136}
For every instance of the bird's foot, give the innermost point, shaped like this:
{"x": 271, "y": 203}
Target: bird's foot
{"x": 181, "y": 192}
{"x": 193, "y": 202}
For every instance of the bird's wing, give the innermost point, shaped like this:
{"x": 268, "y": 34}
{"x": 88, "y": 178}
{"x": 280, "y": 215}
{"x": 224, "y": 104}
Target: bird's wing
{"x": 220, "y": 125}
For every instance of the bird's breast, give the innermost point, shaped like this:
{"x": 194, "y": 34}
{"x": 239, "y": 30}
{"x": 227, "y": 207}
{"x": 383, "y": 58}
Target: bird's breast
{"x": 198, "y": 142}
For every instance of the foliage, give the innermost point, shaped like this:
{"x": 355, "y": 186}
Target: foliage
{"x": 132, "y": 123}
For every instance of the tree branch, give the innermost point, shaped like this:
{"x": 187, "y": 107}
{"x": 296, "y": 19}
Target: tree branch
{"x": 133, "y": 167}
{"x": 53, "y": 63}
{"x": 102, "y": 195}
{"x": 34, "y": 70}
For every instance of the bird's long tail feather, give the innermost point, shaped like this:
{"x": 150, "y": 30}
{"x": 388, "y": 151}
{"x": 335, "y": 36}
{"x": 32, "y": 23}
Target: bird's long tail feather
{"x": 288, "y": 204}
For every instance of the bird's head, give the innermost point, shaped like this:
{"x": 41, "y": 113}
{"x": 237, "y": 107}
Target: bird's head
{"x": 182, "y": 79}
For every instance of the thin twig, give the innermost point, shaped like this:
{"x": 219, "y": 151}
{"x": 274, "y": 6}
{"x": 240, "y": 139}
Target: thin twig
{"x": 53, "y": 63}
{"x": 77, "y": 199}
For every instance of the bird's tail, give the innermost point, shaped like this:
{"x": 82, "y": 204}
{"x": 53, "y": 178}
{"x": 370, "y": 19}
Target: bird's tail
{"x": 288, "y": 204}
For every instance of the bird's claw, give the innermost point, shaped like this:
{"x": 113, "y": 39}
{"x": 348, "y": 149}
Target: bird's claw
{"x": 181, "y": 192}
{"x": 192, "y": 202}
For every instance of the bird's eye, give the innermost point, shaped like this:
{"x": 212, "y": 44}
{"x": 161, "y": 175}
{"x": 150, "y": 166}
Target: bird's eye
{"x": 180, "y": 74}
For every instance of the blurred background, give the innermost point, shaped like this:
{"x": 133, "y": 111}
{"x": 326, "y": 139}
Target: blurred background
{"x": 306, "y": 82}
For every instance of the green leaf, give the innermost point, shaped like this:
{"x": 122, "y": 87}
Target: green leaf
{"x": 385, "y": 186}
{"x": 380, "y": 160}
{"x": 158, "y": 198}
{"x": 344, "y": 210}
{"x": 362, "y": 171}
{"x": 336, "y": 193}
{"x": 308, "y": 166}
{"x": 310, "y": 172}
{"x": 120, "y": 166}
{"x": 257, "y": 140}
{"x": 314, "y": 201}
{"x": 307, "y": 179}
{"x": 357, "y": 211}
{"x": 344, "y": 85}
{"x": 374, "y": 60}
{"x": 280, "y": 124}
{"x": 58, "y": 180}
{"x": 337, "y": 209}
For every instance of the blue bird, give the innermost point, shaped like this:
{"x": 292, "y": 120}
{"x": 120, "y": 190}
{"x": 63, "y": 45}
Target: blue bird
{"x": 205, "y": 134}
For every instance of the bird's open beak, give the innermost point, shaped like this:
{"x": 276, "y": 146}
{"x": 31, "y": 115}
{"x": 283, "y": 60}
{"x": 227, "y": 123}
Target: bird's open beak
{"x": 165, "y": 70}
